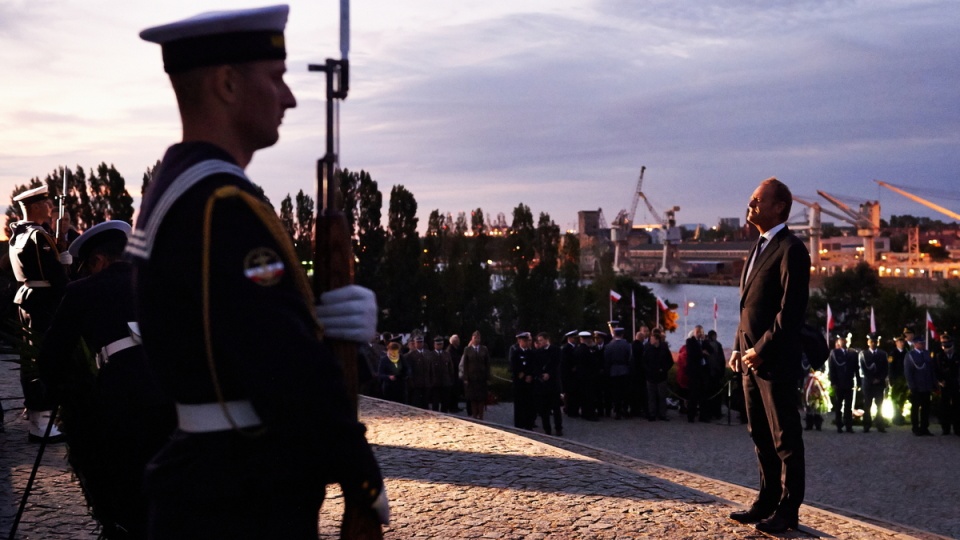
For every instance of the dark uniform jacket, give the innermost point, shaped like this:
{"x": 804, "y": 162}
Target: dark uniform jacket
{"x": 548, "y": 363}
{"x": 919, "y": 370}
{"x": 226, "y": 312}
{"x": 35, "y": 262}
{"x": 421, "y": 368}
{"x": 116, "y": 416}
{"x": 948, "y": 370}
{"x": 657, "y": 361}
{"x": 873, "y": 369}
{"x": 843, "y": 368}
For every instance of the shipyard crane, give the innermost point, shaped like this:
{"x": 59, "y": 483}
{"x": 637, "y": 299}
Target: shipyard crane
{"x": 866, "y": 220}
{"x": 621, "y": 226}
{"x": 814, "y": 228}
{"x": 920, "y": 200}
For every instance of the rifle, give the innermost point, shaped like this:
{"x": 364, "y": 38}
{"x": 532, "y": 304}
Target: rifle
{"x": 333, "y": 252}
{"x": 63, "y": 196}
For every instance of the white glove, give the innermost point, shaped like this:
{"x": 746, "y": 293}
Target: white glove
{"x": 348, "y": 313}
{"x": 382, "y": 507}
{"x": 66, "y": 259}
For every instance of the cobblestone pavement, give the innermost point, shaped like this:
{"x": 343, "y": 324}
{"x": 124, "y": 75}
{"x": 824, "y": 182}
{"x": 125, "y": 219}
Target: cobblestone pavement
{"x": 892, "y": 479}
{"x": 454, "y": 478}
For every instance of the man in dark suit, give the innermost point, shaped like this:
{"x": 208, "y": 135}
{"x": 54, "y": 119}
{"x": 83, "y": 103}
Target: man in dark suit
{"x": 774, "y": 290}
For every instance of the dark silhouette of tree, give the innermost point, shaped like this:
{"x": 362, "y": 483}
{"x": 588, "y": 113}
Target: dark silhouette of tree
{"x": 306, "y": 217}
{"x": 402, "y": 295}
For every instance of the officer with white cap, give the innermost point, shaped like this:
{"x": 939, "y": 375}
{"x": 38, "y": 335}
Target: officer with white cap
{"x": 227, "y": 316}
{"x": 115, "y": 415}
{"x": 38, "y": 265}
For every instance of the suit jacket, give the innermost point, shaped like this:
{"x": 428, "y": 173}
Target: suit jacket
{"x": 773, "y": 301}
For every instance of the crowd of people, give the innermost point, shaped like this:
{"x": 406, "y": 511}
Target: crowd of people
{"x": 596, "y": 374}
{"x": 861, "y": 380}
{"x": 591, "y": 374}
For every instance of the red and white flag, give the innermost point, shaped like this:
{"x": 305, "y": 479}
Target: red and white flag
{"x": 614, "y": 295}
{"x": 830, "y": 323}
{"x": 714, "y": 308}
{"x": 661, "y": 304}
{"x": 873, "y": 322}
{"x": 633, "y": 300}
{"x": 931, "y": 328}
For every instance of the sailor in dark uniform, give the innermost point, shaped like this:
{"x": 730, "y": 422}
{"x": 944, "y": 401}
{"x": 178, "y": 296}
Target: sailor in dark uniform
{"x": 115, "y": 415}
{"x": 39, "y": 267}
{"x": 569, "y": 377}
{"x": 547, "y": 384}
{"x": 523, "y": 370}
{"x": 873, "y": 373}
{"x": 228, "y": 319}
{"x": 844, "y": 373}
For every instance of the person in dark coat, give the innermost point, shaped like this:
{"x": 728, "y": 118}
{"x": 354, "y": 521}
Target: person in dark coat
{"x": 455, "y": 352}
{"x": 617, "y": 358}
{"x": 767, "y": 351}
{"x": 898, "y": 384}
{"x": 919, "y": 370}
{"x": 589, "y": 363}
{"x": 442, "y": 368}
{"x": 638, "y": 381}
{"x": 229, "y": 322}
{"x": 522, "y": 372}
{"x": 873, "y": 374}
{"x": 948, "y": 377}
{"x": 657, "y": 362}
{"x": 421, "y": 373}
{"x": 569, "y": 374}
{"x": 475, "y": 373}
{"x": 392, "y": 374}
{"x": 116, "y": 417}
{"x": 698, "y": 375}
{"x": 844, "y": 372}
{"x": 547, "y": 384}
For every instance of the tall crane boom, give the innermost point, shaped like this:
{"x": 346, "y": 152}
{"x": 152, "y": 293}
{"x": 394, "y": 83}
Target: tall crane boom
{"x": 636, "y": 195}
{"x": 920, "y": 200}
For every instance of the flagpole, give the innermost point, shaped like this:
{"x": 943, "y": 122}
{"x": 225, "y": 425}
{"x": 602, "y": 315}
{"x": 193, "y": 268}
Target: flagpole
{"x": 633, "y": 311}
{"x": 657, "y": 309}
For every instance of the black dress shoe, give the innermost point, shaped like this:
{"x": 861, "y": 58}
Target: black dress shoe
{"x": 748, "y": 516}
{"x": 778, "y": 524}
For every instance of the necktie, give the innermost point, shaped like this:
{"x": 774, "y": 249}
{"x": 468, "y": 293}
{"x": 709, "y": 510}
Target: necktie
{"x": 756, "y": 254}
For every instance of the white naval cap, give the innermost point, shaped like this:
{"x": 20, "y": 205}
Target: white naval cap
{"x": 97, "y": 235}
{"x": 32, "y": 195}
{"x": 221, "y": 37}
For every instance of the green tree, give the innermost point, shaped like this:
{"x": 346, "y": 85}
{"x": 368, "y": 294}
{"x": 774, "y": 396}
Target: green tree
{"x": 371, "y": 236}
{"x": 402, "y": 296}
{"x": 306, "y": 218}
{"x": 517, "y": 298}
{"x": 286, "y": 217}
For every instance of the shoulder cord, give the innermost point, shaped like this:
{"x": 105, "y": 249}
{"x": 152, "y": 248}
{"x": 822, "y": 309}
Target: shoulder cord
{"x": 299, "y": 278}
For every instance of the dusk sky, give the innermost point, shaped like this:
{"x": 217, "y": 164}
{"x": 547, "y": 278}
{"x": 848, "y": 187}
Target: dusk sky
{"x": 553, "y": 103}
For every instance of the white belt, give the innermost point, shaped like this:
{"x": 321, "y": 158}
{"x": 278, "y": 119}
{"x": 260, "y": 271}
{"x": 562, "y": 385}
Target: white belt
{"x": 108, "y": 350}
{"x": 210, "y": 417}
{"x": 36, "y": 284}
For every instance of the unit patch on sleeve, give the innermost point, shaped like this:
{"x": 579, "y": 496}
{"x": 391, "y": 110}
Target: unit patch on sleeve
{"x": 263, "y": 266}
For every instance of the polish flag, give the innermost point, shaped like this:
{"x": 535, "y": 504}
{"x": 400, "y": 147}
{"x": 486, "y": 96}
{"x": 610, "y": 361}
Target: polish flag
{"x": 931, "y": 328}
{"x": 661, "y": 304}
{"x": 633, "y": 300}
{"x": 873, "y": 322}
{"x": 830, "y": 323}
{"x": 614, "y": 295}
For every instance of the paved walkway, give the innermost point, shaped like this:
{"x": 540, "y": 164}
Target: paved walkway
{"x": 449, "y": 477}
